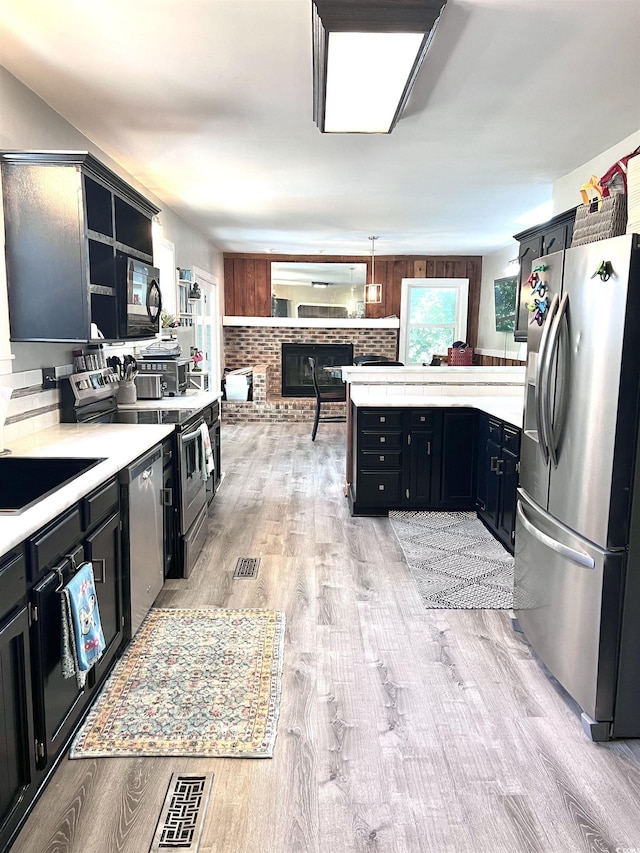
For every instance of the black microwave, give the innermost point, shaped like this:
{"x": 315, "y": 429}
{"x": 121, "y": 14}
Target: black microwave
{"x": 139, "y": 297}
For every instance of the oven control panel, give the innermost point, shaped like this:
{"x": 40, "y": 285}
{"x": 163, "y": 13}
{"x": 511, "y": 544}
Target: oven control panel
{"x": 93, "y": 384}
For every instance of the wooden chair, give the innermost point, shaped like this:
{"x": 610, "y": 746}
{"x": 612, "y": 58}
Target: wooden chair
{"x": 339, "y": 395}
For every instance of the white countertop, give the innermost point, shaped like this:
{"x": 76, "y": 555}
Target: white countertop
{"x": 117, "y": 444}
{"x": 507, "y": 408}
{"x": 191, "y": 400}
{"x": 416, "y": 374}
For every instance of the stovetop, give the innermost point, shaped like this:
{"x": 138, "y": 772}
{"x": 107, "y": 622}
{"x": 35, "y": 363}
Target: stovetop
{"x": 153, "y": 416}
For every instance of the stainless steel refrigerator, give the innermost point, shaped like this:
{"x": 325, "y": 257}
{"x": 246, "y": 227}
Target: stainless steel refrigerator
{"x": 577, "y": 548}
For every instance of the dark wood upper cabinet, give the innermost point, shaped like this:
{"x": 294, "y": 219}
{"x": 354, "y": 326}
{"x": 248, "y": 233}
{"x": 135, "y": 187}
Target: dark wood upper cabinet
{"x": 66, "y": 216}
{"x": 551, "y": 236}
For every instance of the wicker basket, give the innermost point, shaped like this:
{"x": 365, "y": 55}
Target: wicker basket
{"x": 459, "y": 357}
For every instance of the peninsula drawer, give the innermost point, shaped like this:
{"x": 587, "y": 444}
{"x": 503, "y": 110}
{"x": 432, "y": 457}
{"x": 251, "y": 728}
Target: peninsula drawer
{"x": 379, "y": 459}
{"x": 495, "y": 430}
{"x": 422, "y": 417}
{"x": 379, "y": 488}
{"x": 381, "y": 418}
{"x": 380, "y": 440}
{"x": 511, "y": 439}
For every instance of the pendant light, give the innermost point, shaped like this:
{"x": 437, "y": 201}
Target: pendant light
{"x": 373, "y": 291}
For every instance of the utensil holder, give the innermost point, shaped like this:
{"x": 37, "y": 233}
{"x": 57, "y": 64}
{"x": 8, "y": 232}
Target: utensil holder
{"x": 126, "y": 392}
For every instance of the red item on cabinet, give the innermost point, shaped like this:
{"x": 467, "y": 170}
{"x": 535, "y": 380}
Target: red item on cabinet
{"x": 460, "y": 357}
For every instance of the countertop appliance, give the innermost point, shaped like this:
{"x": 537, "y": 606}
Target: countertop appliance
{"x": 174, "y": 373}
{"x": 149, "y": 386}
{"x": 140, "y": 311}
{"x": 577, "y": 549}
{"x": 141, "y": 485}
{"x": 96, "y": 403}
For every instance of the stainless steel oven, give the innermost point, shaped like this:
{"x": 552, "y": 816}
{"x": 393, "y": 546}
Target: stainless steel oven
{"x": 83, "y": 401}
{"x": 193, "y": 493}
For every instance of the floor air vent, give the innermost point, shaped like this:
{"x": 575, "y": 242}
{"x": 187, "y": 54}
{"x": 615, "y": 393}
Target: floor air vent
{"x": 183, "y": 813}
{"x": 247, "y": 567}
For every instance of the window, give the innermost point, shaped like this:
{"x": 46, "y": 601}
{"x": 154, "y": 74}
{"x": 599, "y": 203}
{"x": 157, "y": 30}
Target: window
{"x": 433, "y": 315}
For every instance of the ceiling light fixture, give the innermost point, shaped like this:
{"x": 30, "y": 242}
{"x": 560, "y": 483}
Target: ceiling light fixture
{"x": 366, "y": 57}
{"x": 373, "y": 291}
{"x": 319, "y": 284}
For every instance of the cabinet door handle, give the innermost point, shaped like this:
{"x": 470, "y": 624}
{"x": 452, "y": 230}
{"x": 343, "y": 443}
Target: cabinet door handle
{"x": 493, "y": 465}
{"x": 382, "y": 439}
{"x": 500, "y": 467}
{"x": 382, "y": 419}
{"x": 380, "y": 487}
{"x": 428, "y": 448}
{"x": 409, "y": 439}
{"x": 103, "y": 565}
{"x": 167, "y": 497}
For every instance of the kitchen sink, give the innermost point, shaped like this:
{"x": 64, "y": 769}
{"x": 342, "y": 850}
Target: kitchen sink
{"x": 25, "y": 480}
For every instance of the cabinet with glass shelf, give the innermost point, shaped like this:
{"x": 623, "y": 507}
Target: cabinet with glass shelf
{"x": 183, "y": 300}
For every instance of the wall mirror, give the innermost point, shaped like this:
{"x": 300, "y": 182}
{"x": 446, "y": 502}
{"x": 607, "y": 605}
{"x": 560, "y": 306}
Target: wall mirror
{"x": 323, "y": 290}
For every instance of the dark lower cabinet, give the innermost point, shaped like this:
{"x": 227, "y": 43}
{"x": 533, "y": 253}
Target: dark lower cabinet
{"x": 379, "y": 458}
{"x": 498, "y": 468}
{"x": 413, "y": 459}
{"x": 40, "y": 709}
{"x": 458, "y": 460}
{"x": 102, "y": 547}
{"x": 170, "y": 508}
{"x": 423, "y": 448}
{"x": 17, "y": 754}
{"x": 58, "y": 702}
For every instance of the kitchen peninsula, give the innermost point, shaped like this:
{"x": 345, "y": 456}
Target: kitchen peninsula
{"x": 435, "y": 438}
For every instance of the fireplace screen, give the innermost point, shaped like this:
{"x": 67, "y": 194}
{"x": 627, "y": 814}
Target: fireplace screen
{"x": 296, "y": 372}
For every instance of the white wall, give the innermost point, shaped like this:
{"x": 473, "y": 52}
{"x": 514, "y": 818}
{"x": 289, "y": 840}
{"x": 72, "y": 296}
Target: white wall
{"x": 28, "y": 123}
{"x": 491, "y": 342}
{"x": 566, "y": 194}
{"x": 566, "y": 190}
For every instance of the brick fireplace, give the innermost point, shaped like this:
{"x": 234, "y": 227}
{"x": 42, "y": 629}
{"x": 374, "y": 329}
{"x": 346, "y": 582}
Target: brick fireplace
{"x": 260, "y": 346}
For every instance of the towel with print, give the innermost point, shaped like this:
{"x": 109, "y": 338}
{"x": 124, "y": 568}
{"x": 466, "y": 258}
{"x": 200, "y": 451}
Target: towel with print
{"x": 82, "y": 637}
{"x": 207, "y": 463}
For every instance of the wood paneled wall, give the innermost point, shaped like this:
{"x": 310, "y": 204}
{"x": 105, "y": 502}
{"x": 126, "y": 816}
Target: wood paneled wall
{"x": 247, "y": 281}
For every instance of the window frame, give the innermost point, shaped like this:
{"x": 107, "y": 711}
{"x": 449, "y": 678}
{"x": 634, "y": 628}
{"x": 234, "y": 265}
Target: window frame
{"x": 461, "y": 285}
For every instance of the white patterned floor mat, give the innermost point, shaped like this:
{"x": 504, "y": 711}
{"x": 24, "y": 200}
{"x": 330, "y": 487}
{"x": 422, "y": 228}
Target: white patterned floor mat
{"x": 456, "y": 563}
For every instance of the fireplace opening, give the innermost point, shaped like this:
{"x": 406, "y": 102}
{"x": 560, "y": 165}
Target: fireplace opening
{"x": 296, "y": 372}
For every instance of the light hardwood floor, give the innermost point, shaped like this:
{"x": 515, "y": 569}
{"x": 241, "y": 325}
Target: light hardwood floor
{"x": 401, "y": 729}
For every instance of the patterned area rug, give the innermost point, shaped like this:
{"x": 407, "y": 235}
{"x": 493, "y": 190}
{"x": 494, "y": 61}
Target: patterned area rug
{"x": 191, "y": 683}
{"x": 455, "y": 561}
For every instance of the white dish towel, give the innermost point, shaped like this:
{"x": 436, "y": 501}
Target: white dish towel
{"x": 207, "y": 453}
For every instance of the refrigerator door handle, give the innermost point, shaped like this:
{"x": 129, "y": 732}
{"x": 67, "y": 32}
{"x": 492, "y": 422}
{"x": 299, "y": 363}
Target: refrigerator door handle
{"x": 543, "y": 440}
{"x": 552, "y": 348}
{"x": 578, "y": 557}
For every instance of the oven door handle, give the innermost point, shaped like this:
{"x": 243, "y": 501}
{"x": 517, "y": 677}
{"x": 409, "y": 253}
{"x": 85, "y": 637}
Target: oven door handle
{"x": 190, "y": 436}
